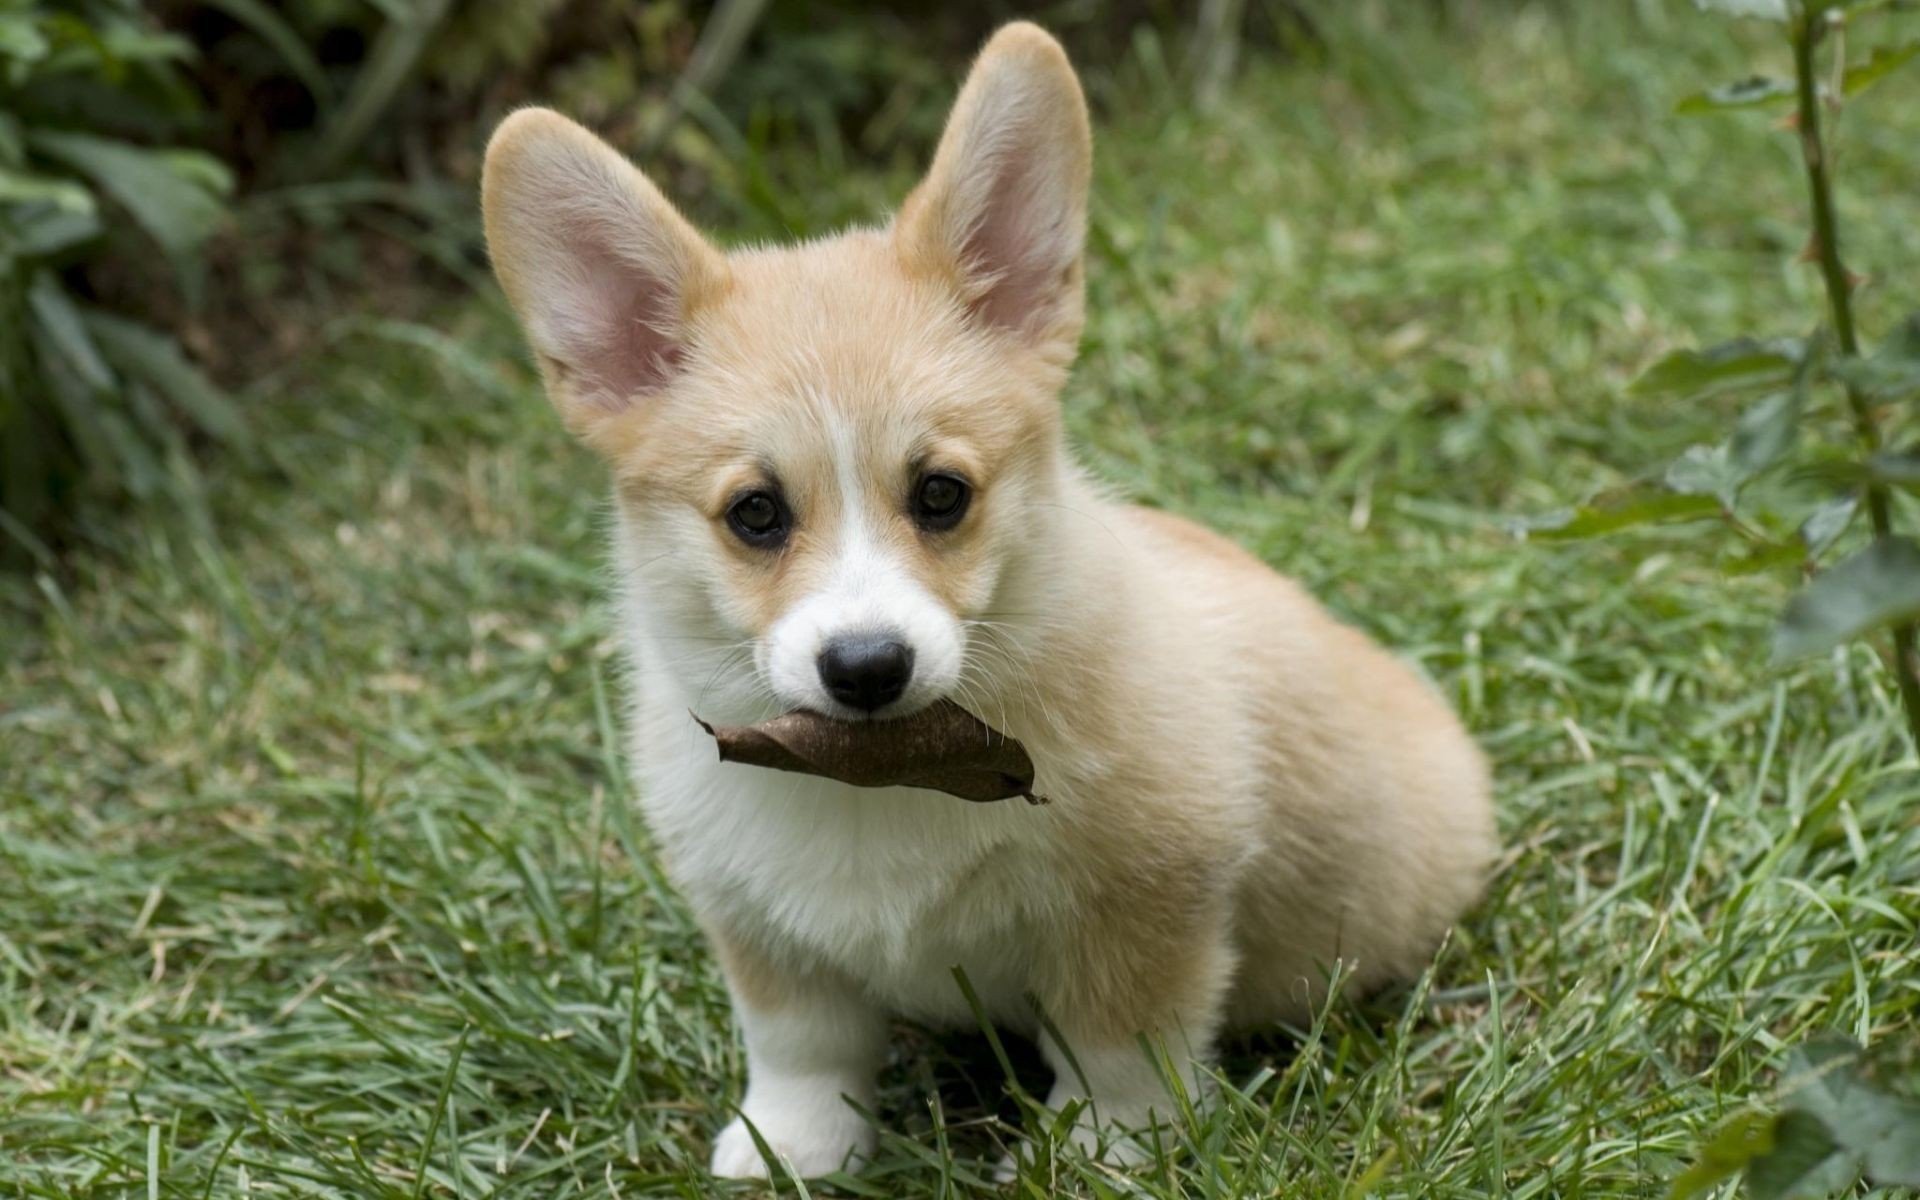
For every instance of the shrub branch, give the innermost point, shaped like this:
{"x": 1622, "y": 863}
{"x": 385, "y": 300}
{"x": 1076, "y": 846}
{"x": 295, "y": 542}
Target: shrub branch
{"x": 1825, "y": 250}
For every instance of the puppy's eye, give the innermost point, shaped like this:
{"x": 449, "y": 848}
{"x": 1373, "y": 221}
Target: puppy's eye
{"x": 940, "y": 501}
{"x": 758, "y": 519}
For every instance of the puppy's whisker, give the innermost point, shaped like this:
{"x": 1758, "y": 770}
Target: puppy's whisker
{"x": 976, "y": 688}
{"x": 975, "y": 662}
{"x": 1019, "y": 664}
{"x": 729, "y": 661}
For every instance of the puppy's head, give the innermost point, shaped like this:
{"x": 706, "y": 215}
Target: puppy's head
{"x": 826, "y": 456}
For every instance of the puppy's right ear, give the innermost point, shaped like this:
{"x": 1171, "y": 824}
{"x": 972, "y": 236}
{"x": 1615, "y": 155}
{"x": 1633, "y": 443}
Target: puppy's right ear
{"x": 602, "y": 271}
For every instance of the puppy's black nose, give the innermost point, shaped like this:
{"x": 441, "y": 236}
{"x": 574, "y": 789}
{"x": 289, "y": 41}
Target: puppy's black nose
{"x": 866, "y": 671}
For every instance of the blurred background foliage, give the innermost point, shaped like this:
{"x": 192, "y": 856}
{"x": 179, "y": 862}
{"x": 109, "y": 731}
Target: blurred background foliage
{"x": 97, "y": 107}
{"x": 192, "y": 189}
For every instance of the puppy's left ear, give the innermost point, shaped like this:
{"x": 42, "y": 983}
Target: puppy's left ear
{"x": 1002, "y": 214}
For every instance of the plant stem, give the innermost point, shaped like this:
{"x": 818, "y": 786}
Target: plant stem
{"x": 1826, "y": 249}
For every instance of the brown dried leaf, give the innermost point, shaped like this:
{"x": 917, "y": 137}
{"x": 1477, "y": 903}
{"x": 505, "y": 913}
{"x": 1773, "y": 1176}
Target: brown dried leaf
{"x": 943, "y": 747}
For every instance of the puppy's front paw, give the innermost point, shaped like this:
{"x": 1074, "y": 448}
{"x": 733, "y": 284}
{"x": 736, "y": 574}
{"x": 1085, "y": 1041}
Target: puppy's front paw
{"x": 812, "y": 1139}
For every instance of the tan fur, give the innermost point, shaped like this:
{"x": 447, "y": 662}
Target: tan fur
{"x": 761, "y": 979}
{"x": 1245, "y": 790}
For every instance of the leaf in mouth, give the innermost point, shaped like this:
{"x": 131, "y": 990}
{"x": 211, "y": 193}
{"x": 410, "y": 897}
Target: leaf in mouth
{"x": 942, "y": 747}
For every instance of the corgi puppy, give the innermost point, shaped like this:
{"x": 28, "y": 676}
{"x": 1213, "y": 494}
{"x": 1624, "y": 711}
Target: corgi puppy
{"x": 840, "y": 484}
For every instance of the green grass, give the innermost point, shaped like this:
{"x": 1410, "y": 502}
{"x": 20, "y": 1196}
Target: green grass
{"x": 318, "y": 872}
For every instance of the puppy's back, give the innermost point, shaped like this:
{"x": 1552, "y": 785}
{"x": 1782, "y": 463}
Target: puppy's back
{"x": 1376, "y": 803}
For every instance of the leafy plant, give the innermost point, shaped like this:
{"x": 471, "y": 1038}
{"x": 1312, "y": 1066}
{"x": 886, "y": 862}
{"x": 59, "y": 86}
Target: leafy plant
{"x": 1876, "y": 588}
{"x": 90, "y": 400}
{"x": 1837, "y": 1123}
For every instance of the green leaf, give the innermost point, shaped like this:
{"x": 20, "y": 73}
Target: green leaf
{"x": 1765, "y": 432}
{"x": 1876, "y": 587}
{"x": 115, "y": 452}
{"x": 174, "y": 195}
{"x": 1801, "y": 1162}
{"x": 146, "y": 354}
{"x": 1743, "y": 363}
{"x": 51, "y": 230}
{"x": 1706, "y": 471}
{"x": 1883, "y": 61}
{"x": 1829, "y": 1081}
{"x": 20, "y": 38}
{"x": 1892, "y": 371}
{"x": 208, "y": 172}
{"x": 1824, "y": 527}
{"x": 1736, "y": 1144}
{"x": 66, "y": 333}
{"x": 1772, "y": 10}
{"x": 20, "y": 187}
{"x": 1614, "y": 511}
{"x": 1820, "y": 1074}
{"x": 141, "y": 41}
{"x": 1898, "y": 470}
{"x": 1744, "y": 93}
{"x": 79, "y": 384}
{"x": 1894, "y": 1159}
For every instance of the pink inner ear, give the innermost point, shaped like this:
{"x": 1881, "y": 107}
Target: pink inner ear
{"x": 1015, "y": 248}
{"x": 617, "y": 328}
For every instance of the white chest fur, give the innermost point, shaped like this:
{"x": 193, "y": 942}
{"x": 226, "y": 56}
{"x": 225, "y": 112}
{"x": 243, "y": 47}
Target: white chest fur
{"x": 894, "y": 886}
